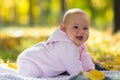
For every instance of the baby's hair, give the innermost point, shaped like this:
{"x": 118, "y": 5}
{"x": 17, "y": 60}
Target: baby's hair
{"x": 71, "y": 12}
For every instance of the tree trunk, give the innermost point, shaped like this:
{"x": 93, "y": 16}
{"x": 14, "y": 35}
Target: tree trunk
{"x": 15, "y": 19}
{"x": 116, "y": 16}
{"x": 1, "y": 22}
{"x": 63, "y": 9}
{"x": 0, "y": 19}
{"x": 30, "y": 13}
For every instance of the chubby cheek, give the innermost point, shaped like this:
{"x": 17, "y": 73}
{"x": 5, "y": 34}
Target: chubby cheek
{"x": 87, "y": 36}
{"x": 71, "y": 36}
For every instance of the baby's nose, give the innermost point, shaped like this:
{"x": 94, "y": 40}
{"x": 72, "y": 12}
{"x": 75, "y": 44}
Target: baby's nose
{"x": 81, "y": 32}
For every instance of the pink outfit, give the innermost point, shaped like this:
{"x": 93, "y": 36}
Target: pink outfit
{"x": 53, "y": 57}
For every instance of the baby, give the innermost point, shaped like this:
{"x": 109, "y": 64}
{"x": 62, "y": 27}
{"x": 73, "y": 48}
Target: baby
{"x": 64, "y": 51}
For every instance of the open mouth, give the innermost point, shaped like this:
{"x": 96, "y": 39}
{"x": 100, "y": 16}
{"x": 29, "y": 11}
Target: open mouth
{"x": 79, "y": 38}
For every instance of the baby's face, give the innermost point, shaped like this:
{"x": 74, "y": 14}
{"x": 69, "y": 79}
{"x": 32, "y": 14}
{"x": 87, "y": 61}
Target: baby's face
{"x": 77, "y": 29}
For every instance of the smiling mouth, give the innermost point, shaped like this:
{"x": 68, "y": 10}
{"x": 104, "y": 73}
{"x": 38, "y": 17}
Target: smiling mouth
{"x": 79, "y": 38}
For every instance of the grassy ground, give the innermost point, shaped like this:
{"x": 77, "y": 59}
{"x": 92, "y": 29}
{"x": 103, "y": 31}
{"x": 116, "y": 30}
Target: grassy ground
{"x": 102, "y": 45}
{"x": 14, "y": 40}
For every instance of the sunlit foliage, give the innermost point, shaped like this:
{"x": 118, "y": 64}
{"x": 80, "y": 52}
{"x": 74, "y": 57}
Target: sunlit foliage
{"x": 48, "y": 12}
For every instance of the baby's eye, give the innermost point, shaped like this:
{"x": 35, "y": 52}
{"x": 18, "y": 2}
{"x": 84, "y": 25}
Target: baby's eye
{"x": 76, "y": 27}
{"x": 85, "y": 28}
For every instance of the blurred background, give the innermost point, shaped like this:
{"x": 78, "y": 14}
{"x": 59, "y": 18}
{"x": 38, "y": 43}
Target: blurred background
{"x": 27, "y": 22}
{"x": 49, "y": 12}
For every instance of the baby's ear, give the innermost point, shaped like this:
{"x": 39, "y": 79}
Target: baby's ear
{"x": 62, "y": 27}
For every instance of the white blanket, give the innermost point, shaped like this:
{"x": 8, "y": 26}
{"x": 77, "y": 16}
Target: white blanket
{"x": 5, "y": 69}
{"x": 18, "y": 77}
{"x": 11, "y": 74}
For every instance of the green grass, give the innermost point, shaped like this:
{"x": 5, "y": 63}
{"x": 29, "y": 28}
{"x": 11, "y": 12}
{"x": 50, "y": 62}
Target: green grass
{"x": 14, "y": 40}
{"x": 102, "y": 45}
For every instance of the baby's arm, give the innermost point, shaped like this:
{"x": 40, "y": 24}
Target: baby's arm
{"x": 69, "y": 56}
{"x": 86, "y": 59}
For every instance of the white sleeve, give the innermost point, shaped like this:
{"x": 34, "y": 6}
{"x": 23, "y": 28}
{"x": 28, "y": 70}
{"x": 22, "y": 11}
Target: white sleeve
{"x": 69, "y": 56}
{"x": 86, "y": 59}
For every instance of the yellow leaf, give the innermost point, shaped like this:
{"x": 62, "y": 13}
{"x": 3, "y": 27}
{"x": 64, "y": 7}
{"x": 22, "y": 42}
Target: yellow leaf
{"x": 117, "y": 60}
{"x": 94, "y": 75}
{"x": 11, "y": 65}
{"x": 1, "y": 61}
{"x": 88, "y": 75}
{"x": 113, "y": 65}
